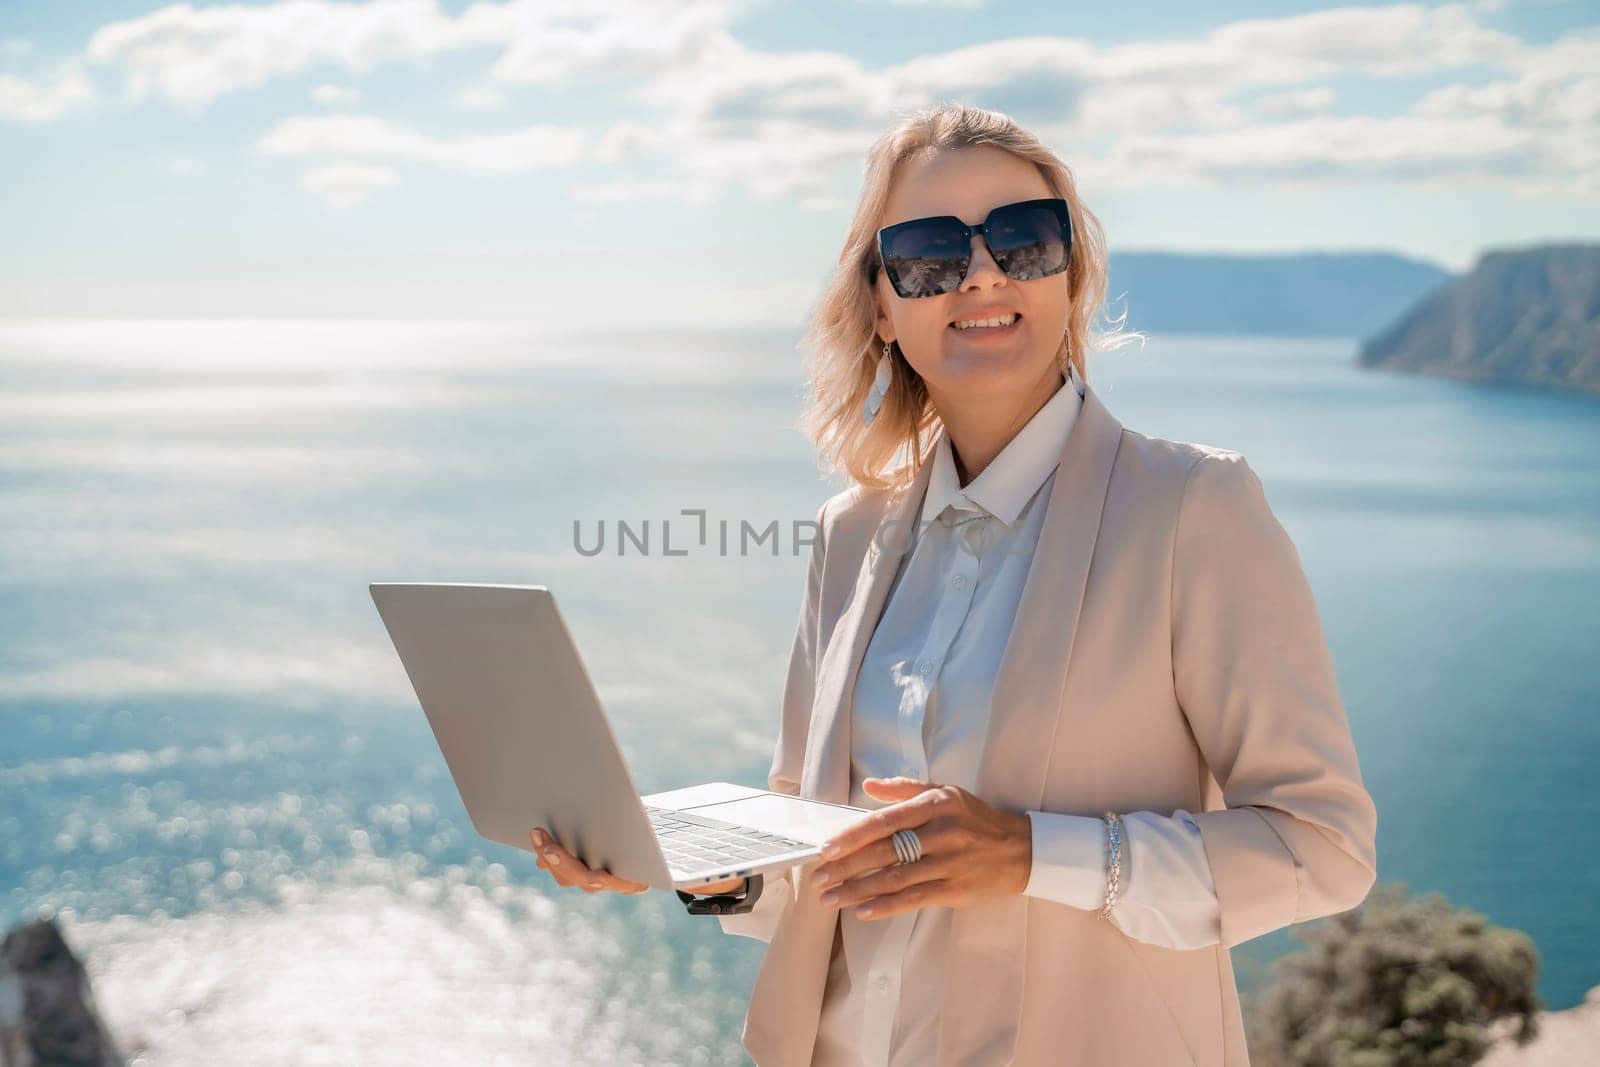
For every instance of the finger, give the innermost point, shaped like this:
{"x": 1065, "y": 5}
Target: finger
{"x": 900, "y": 787}
{"x": 589, "y": 879}
{"x": 568, "y": 869}
{"x": 863, "y": 860}
{"x": 581, "y": 876}
{"x": 628, "y": 885}
{"x": 906, "y": 814}
{"x": 937, "y": 835}
{"x": 548, "y": 863}
{"x": 551, "y": 853}
{"x": 891, "y": 879}
{"x": 921, "y": 895}
{"x": 545, "y": 846}
{"x": 593, "y": 879}
{"x": 615, "y": 883}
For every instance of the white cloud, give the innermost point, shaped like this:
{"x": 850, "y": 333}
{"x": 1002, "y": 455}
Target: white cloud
{"x": 183, "y": 166}
{"x": 1245, "y": 100}
{"x": 347, "y": 184}
{"x": 768, "y": 158}
{"x": 508, "y": 152}
{"x": 1545, "y": 94}
{"x": 480, "y": 98}
{"x": 22, "y": 100}
{"x": 1382, "y": 41}
{"x": 1172, "y": 111}
{"x": 1403, "y": 148}
{"x": 1179, "y": 100}
{"x": 15, "y": 47}
{"x": 191, "y": 56}
{"x": 1396, "y": 40}
{"x": 330, "y": 95}
{"x": 547, "y": 45}
{"x": 1296, "y": 102}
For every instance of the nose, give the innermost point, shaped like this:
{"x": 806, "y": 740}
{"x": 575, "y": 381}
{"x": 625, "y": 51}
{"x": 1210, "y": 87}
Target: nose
{"x": 983, "y": 268}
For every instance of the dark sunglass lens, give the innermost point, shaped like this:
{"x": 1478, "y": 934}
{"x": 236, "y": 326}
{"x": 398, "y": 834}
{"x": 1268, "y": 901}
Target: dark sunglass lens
{"x": 1028, "y": 241}
{"x": 926, "y": 258}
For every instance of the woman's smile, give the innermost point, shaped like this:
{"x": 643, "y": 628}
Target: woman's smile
{"x": 986, "y": 333}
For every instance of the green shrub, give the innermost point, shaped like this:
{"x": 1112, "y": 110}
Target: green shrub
{"x": 1396, "y": 982}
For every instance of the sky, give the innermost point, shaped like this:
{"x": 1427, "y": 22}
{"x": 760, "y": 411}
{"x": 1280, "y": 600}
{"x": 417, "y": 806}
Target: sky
{"x": 637, "y": 162}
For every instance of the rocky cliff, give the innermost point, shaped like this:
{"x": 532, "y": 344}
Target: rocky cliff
{"x": 1530, "y": 316}
{"x": 47, "y": 1015}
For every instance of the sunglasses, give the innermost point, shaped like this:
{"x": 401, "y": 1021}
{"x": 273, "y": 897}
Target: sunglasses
{"x": 929, "y": 257}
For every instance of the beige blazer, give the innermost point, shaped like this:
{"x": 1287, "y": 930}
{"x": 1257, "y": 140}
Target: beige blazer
{"x": 1166, "y": 653}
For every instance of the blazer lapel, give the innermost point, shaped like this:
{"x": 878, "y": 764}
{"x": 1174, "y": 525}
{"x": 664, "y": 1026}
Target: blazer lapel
{"x": 825, "y": 770}
{"x": 1025, "y": 718}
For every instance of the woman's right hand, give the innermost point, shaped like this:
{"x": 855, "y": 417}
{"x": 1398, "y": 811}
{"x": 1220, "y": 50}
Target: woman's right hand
{"x": 568, "y": 870}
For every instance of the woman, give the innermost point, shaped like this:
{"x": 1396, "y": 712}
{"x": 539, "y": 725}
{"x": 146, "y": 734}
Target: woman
{"x": 1077, "y": 670}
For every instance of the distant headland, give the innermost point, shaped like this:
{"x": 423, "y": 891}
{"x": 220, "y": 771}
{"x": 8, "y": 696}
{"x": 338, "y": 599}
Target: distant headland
{"x": 1311, "y": 294}
{"x": 1530, "y": 316}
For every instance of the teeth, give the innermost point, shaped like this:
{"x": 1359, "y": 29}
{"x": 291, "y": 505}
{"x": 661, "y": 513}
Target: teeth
{"x": 968, "y": 324}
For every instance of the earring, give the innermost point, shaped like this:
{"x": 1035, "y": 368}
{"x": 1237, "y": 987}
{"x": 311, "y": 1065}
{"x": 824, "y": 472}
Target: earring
{"x": 880, "y": 387}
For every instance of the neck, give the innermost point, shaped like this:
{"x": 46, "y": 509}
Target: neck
{"x": 981, "y": 427}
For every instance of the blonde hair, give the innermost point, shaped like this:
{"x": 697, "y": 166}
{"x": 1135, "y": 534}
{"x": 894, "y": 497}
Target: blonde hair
{"x": 841, "y": 344}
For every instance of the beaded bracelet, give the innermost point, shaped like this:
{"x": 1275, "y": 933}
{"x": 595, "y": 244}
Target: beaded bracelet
{"x": 1113, "y": 860}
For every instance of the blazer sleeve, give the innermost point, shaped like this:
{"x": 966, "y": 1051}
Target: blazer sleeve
{"x": 794, "y": 723}
{"x": 1296, "y": 838}
{"x": 799, "y": 686}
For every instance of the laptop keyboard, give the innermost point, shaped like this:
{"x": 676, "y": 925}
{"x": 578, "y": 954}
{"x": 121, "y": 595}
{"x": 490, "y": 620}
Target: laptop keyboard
{"x": 691, "y": 842}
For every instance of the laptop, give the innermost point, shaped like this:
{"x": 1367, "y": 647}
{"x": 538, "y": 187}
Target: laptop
{"x": 521, "y": 728}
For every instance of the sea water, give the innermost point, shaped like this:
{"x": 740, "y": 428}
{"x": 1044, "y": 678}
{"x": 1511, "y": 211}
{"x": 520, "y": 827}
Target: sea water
{"x": 214, "y": 774}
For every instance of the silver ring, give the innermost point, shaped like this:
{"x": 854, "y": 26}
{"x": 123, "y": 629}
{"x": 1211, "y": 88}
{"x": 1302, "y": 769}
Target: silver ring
{"x": 907, "y": 845}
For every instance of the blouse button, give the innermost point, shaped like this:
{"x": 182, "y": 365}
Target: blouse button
{"x": 961, "y": 581}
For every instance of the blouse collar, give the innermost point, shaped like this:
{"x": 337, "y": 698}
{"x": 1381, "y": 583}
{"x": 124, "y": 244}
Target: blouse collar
{"x": 1012, "y": 477}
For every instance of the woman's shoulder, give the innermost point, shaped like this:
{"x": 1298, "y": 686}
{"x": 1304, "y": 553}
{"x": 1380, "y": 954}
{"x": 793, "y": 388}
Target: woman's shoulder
{"x": 851, "y": 503}
{"x": 1169, "y": 460}
{"x": 1210, "y": 487}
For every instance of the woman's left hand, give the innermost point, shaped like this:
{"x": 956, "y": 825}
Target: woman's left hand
{"x": 970, "y": 851}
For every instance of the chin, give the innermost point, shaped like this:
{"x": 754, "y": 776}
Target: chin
{"x": 1002, "y": 370}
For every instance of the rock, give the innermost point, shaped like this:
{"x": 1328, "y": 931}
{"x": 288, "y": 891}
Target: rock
{"x": 47, "y": 1015}
{"x": 1565, "y": 1038}
{"x": 1530, "y": 316}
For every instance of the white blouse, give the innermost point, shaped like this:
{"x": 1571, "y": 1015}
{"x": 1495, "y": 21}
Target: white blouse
{"x": 921, "y": 709}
